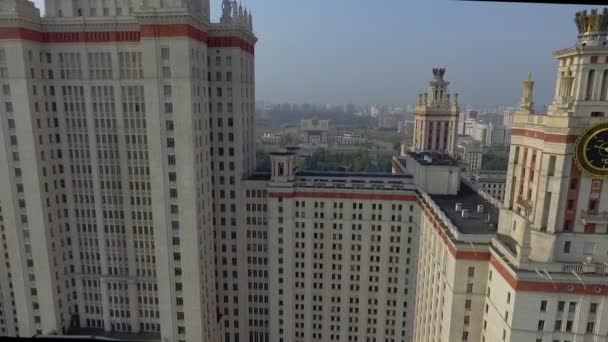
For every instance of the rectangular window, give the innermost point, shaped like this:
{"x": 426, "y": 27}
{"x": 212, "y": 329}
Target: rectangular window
{"x": 543, "y": 306}
{"x": 164, "y": 53}
{"x": 567, "y": 247}
{"x": 592, "y": 205}
{"x": 593, "y": 308}
{"x": 560, "y": 306}
{"x": 570, "y": 204}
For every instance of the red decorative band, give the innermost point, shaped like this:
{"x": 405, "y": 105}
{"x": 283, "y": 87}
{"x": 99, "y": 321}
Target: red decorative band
{"x": 547, "y": 137}
{"x": 223, "y": 42}
{"x": 346, "y": 196}
{"x": 534, "y": 286}
{"x": 146, "y": 31}
{"x": 173, "y": 30}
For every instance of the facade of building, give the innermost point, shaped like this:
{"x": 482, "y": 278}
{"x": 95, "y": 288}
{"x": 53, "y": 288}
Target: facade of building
{"x": 351, "y": 139}
{"x": 488, "y": 134}
{"x": 389, "y": 120}
{"x": 272, "y": 138}
{"x": 129, "y": 203}
{"x": 314, "y": 131}
{"x": 100, "y": 104}
{"x": 508, "y": 117}
{"x": 343, "y": 256}
{"x": 492, "y": 183}
{"x": 473, "y": 158}
{"x": 542, "y": 275}
{"x": 436, "y": 117}
{"x": 466, "y": 116}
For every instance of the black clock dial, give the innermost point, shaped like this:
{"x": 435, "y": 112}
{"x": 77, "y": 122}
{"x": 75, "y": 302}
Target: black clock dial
{"x": 592, "y": 151}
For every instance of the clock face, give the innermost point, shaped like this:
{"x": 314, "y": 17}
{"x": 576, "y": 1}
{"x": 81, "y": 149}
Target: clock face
{"x": 592, "y": 151}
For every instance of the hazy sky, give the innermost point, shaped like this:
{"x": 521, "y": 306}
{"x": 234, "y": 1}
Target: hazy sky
{"x": 361, "y": 51}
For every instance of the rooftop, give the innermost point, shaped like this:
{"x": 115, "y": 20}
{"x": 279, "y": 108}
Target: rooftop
{"x": 282, "y": 153}
{"x": 83, "y": 334}
{"x": 260, "y": 176}
{"x": 433, "y": 158}
{"x": 335, "y": 174}
{"x": 476, "y": 223}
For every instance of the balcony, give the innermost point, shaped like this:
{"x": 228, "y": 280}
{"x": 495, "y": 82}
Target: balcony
{"x": 590, "y": 217}
{"x": 584, "y": 268}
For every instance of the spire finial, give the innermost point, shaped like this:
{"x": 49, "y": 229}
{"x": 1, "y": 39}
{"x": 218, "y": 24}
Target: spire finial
{"x": 526, "y": 105}
{"x": 226, "y": 11}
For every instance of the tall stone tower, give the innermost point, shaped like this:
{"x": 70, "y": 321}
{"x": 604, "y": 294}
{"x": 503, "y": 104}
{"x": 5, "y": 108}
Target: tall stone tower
{"x": 549, "y": 255}
{"x": 436, "y": 117}
{"x": 551, "y": 194}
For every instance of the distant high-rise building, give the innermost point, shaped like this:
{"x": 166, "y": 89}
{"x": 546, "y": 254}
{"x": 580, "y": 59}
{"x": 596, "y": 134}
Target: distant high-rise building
{"x": 508, "y": 117}
{"x": 436, "y": 117}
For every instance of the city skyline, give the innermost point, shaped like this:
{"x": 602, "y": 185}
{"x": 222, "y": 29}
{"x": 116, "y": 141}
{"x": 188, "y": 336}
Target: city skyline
{"x": 339, "y": 60}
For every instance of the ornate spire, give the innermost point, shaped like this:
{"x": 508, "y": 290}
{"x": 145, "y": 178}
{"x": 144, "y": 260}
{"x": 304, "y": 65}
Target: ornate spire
{"x": 564, "y": 97}
{"x": 235, "y": 10}
{"x": 526, "y": 105}
{"x": 226, "y": 11}
{"x": 438, "y": 73}
{"x": 592, "y": 27}
{"x": 592, "y": 22}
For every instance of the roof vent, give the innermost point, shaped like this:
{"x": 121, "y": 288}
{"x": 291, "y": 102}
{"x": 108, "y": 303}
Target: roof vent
{"x": 458, "y": 206}
{"x": 465, "y": 213}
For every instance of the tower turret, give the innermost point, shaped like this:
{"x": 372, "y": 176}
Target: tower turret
{"x": 592, "y": 27}
{"x": 526, "y": 105}
{"x": 436, "y": 117}
{"x": 227, "y": 10}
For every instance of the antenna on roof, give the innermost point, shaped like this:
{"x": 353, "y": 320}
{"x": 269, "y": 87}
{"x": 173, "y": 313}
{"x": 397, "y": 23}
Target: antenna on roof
{"x": 550, "y": 278}
{"x": 579, "y": 279}
{"x": 473, "y": 246}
